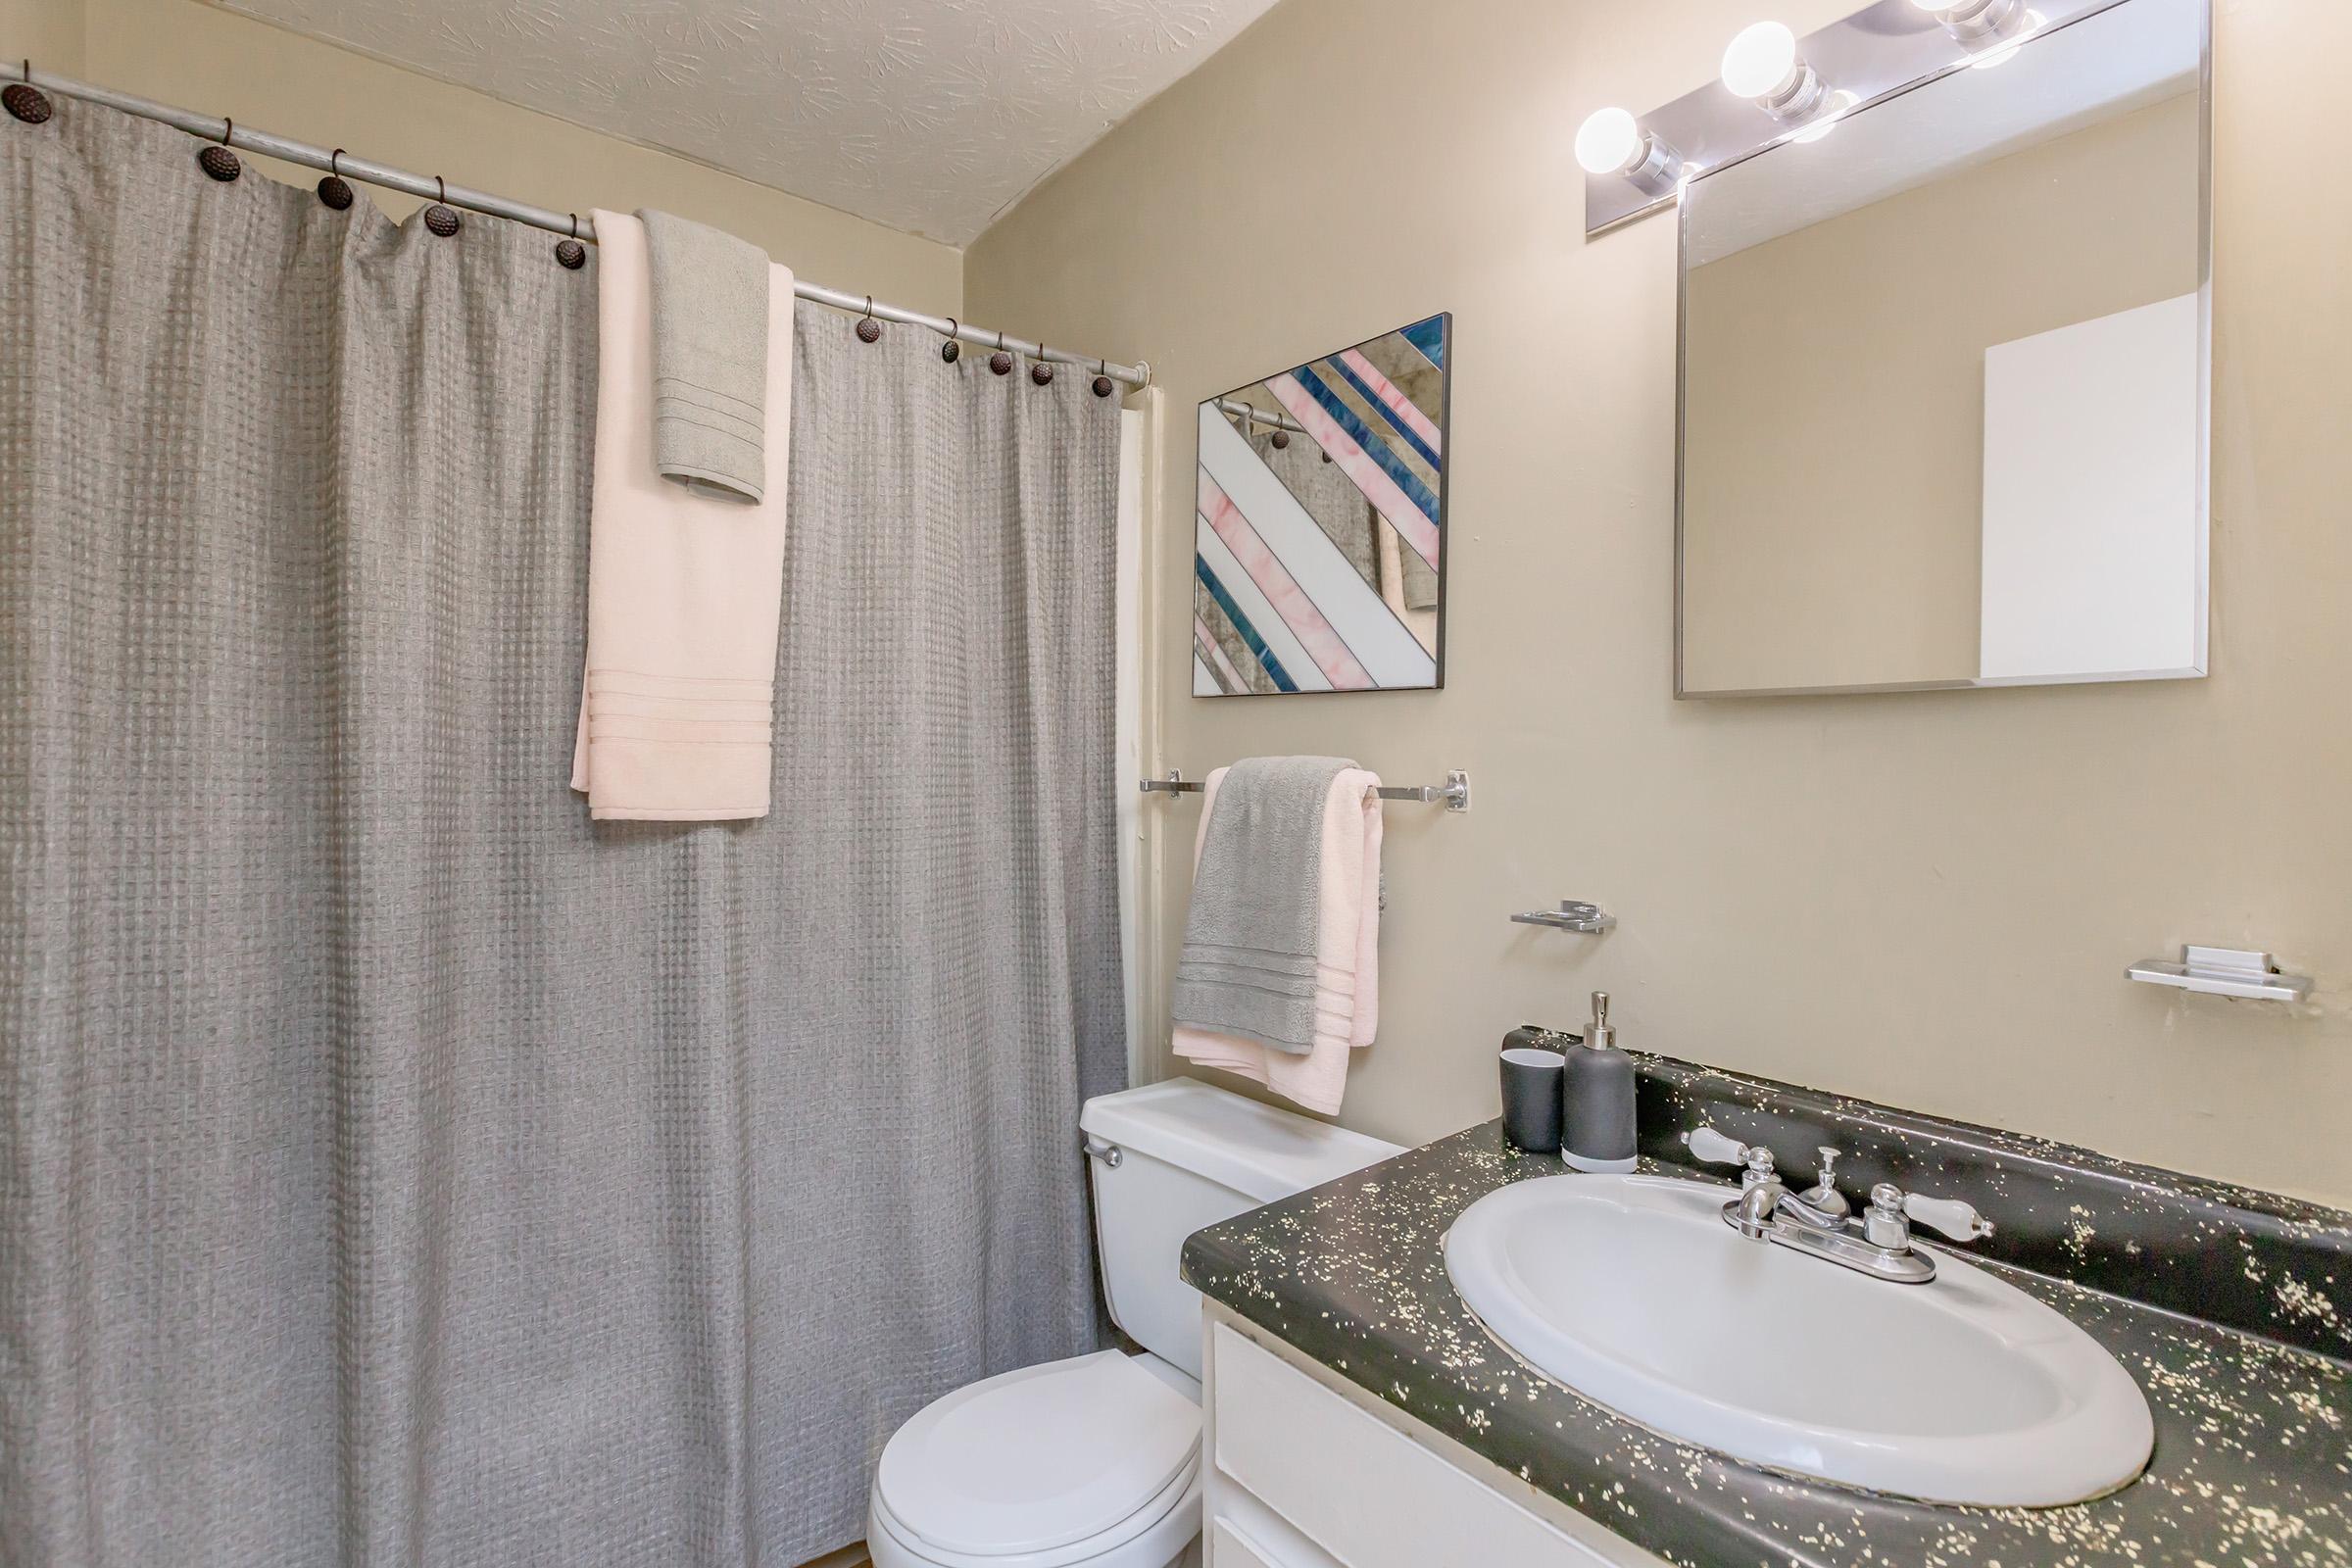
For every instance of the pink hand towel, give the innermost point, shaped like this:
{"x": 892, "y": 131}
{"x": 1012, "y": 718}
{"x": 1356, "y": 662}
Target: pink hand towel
{"x": 1346, "y": 959}
{"x": 685, "y": 591}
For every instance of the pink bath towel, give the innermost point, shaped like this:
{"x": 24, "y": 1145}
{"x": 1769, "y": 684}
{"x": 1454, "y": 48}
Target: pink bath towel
{"x": 1346, "y": 959}
{"x": 685, "y": 591}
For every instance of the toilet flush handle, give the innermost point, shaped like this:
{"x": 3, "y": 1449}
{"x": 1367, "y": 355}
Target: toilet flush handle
{"x": 1109, "y": 1154}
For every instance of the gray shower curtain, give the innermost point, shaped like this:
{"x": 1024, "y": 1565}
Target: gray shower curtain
{"x": 396, "y": 1168}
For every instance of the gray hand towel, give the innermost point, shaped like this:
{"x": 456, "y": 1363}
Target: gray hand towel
{"x": 1254, "y": 932}
{"x": 709, "y": 309}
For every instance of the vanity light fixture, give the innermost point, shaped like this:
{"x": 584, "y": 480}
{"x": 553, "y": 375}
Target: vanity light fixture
{"x": 1776, "y": 87}
{"x": 2008, "y": 51}
{"x": 1840, "y": 102}
{"x": 1762, "y": 66}
{"x": 1611, "y": 142}
{"x": 1972, "y": 22}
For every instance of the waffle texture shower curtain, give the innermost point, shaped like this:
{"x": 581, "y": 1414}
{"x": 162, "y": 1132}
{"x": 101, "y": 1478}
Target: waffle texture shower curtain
{"x": 396, "y": 1168}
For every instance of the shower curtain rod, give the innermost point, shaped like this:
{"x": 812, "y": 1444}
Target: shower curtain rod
{"x": 1272, "y": 419}
{"x": 432, "y": 188}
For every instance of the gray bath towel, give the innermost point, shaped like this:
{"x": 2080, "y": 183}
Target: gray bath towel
{"x": 710, "y": 305}
{"x": 1254, "y": 932}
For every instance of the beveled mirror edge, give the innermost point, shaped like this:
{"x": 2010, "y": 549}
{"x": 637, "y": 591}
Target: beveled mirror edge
{"x": 2203, "y": 666}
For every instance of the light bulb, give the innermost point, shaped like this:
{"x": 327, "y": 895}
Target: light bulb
{"x": 1611, "y": 143}
{"x": 1760, "y": 60}
{"x": 1608, "y": 142}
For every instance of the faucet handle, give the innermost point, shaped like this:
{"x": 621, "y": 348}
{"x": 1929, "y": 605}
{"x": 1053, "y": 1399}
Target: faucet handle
{"x": 1710, "y": 1146}
{"x": 1954, "y": 1218}
{"x": 1891, "y": 1209}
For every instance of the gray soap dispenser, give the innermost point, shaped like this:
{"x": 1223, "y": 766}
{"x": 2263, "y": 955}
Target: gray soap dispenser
{"x": 1596, "y": 1099}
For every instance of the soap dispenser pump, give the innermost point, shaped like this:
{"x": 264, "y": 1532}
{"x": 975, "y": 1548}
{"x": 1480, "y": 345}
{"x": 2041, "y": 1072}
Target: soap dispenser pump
{"x": 1596, "y": 1099}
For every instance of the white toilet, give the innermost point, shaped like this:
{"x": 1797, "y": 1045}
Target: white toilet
{"x": 1094, "y": 1462}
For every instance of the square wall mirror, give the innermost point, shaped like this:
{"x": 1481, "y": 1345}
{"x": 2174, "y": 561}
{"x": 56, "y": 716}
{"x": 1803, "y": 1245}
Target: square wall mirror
{"x": 1319, "y": 534}
{"x": 1943, "y": 379}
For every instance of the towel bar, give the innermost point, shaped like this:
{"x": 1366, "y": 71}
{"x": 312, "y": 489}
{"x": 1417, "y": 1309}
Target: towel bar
{"x": 1573, "y": 914}
{"x": 1455, "y": 792}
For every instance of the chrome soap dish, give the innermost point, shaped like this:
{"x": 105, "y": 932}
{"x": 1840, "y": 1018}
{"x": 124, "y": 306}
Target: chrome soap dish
{"x": 2224, "y": 972}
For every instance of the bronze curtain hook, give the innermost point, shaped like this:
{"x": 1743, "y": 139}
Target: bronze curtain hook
{"x": 1001, "y": 362}
{"x": 952, "y": 350}
{"x": 441, "y": 218}
{"x": 1040, "y": 374}
{"x": 869, "y": 331}
{"x": 24, "y": 101}
{"x": 1102, "y": 380}
{"x": 219, "y": 160}
{"x": 334, "y": 191}
{"x": 571, "y": 253}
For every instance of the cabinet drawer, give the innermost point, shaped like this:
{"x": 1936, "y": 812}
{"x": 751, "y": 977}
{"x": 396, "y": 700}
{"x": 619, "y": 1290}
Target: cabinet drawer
{"x": 1364, "y": 1492}
{"x": 1228, "y": 1547}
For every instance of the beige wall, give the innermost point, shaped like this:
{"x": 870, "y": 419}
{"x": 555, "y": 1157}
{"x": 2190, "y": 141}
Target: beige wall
{"x": 196, "y": 56}
{"x": 1926, "y": 899}
{"x": 1833, "y": 531}
{"x": 48, "y": 31}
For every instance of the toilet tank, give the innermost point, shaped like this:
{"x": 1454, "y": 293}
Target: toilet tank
{"x": 1188, "y": 1157}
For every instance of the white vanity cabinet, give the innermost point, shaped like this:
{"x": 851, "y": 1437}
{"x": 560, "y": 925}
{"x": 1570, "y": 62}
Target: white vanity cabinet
{"x": 1306, "y": 1471}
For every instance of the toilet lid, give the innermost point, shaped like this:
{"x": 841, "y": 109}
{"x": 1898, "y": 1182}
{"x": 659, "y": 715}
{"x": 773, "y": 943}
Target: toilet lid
{"x": 1038, "y": 1458}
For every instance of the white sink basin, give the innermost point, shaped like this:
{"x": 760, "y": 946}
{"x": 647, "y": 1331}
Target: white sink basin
{"x": 1632, "y": 1291}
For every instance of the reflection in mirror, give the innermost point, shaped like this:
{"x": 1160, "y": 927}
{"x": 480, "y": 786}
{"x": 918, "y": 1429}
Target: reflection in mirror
{"x": 1319, "y": 540}
{"x": 1944, "y": 369}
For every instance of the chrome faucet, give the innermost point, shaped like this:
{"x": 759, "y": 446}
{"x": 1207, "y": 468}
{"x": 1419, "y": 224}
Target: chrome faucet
{"x": 1752, "y": 1214}
{"x": 1819, "y": 1221}
{"x": 1763, "y": 1196}
{"x": 1821, "y": 1205}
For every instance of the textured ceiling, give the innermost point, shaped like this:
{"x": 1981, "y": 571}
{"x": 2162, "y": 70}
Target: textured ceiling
{"x": 930, "y": 116}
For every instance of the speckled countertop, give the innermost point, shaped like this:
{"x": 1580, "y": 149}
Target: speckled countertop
{"x": 2253, "y": 1462}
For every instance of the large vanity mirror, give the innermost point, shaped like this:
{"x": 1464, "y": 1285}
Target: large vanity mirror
{"x": 1944, "y": 370}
